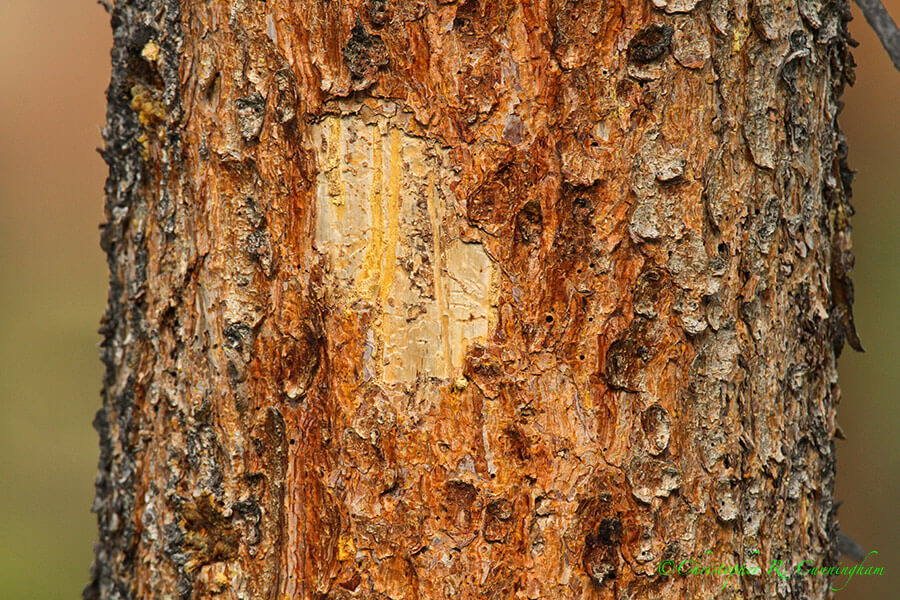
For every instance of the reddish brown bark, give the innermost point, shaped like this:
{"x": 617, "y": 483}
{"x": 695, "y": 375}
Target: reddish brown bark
{"x": 428, "y": 299}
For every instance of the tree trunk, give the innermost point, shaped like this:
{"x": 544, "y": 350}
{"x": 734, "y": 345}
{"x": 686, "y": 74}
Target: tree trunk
{"x": 472, "y": 299}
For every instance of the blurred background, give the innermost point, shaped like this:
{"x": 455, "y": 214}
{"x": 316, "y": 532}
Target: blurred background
{"x": 54, "y": 68}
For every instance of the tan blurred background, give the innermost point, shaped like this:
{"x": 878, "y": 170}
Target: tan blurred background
{"x": 54, "y": 67}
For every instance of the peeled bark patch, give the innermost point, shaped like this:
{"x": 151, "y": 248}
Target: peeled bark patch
{"x": 385, "y": 210}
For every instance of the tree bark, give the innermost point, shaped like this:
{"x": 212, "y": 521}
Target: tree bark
{"x": 472, "y": 299}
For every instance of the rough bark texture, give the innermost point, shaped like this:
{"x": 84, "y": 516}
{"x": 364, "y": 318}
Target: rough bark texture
{"x": 471, "y": 299}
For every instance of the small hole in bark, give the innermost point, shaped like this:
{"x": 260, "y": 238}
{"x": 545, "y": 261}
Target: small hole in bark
{"x": 581, "y": 357}
{"x": 293, "y": 441}
{"x": 549, "y": 318}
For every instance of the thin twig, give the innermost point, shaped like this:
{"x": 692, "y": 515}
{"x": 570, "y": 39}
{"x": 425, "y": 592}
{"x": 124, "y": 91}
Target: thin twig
{"x": 880, "y": 20}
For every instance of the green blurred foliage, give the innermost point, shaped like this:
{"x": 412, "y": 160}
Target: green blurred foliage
{"x": 54, "y": 67}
